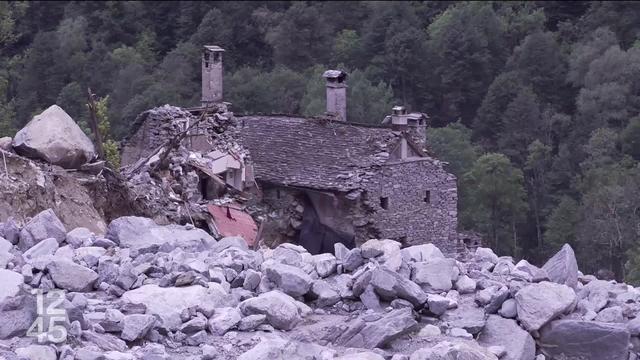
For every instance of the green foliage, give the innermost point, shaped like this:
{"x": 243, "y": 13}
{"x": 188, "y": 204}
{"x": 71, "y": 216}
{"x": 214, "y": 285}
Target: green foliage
{"x": 110, "y": 147}
{"x": 452, "y": 144}
{"x": 497, "y": 200}
{"x": 630, "y": 138}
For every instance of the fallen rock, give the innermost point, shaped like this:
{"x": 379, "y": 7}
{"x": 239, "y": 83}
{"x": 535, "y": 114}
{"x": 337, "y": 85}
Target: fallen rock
{"x": 17, "y": 314}
{"x": 44, "y": 247}
{"x": 382, "y": 331}
{"x": 436, "y": 274}
{"x": 562, "y": 268}
{"x": 136, "y": 326}
{"x": 168, "y": 303}
{"x": 486, "y": 254}
{"x": 43, "y": 226}
{"x": 144, "y": 235}
{"x": 325, "y": 264}
{"x": 421, "y": 253}
{"x": 585, "y": 340}
{"x": 542, "y": 302}
{"x": 390, "y": 285}
{"x": 281, "y": 309}
{"x": 79, "y": 237}
{"x": 223, "y": 320}
{"x": 71, "y": 276}
{"x": 5, "y": 253}
{"x": 519, "y": 345}
{"x": 53, "y": 136}
{"x": 37, "y": 352}
{"x": 10, "y": 282}
{"x": 291, "y": 280}
{"x": 453, "y": 350}
{"x": 465, "y": 285}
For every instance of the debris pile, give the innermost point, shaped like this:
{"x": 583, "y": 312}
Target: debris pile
{"x": 187, "y": 162}
{"x": 149, "y": 291}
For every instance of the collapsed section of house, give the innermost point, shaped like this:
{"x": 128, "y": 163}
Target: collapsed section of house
{"x": 314, "y": 181}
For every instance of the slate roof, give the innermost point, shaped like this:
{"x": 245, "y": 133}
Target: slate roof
{"x": 315, "y": 153}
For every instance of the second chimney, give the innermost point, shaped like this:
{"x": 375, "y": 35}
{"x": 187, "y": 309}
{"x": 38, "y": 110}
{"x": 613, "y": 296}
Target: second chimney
{"x": 211, "y": 74}
{"x": 336, "y": 93}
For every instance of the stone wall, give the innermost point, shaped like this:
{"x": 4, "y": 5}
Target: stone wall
{"x": 409, "y": 217}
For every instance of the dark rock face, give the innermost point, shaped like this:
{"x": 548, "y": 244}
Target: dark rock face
{"x": 575, "y": 339}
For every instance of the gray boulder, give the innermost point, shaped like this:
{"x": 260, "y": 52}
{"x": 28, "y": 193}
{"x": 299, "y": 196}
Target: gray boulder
{"x": 37, "y": 352}
{"x": 144, "y": 235}
{"x": 447, "y": 350}
{"x": 325, "y": 264}
{"x": 281, "y": 309}
{"x": 611, "y": 315}
{"x": 291, "y": 280}
{"x": 79, "y": 237}
{"x": 137, "y": 326}
{"x": 5, "y": 252}
{"x": 585, "y": 340}
{"x": 467, "y": 316}
{"x": 168, "y": 303}
{"x": 11, "y": 231}
{"x": 465, "y": 285}
{"x": 390, "y": 285}
{"x": 562, "y": 268}
{"x": 44, "y": 247}
{"x": 17, "y": 314}
{"x": 323, "y": 294}
{"x": 45, "y": 225}
{"x": 54, "y": 137}
{"x": 10, "y": 282}
{"x": 71, "y": 276}
{"x": 519, "y": 345}
{"x": 436, "y": 274}
{"x": 542, "y": 302}
{"x": 223, "y": 320}
{"x": 380, "y": 332}
{"x": 420, "y": 253}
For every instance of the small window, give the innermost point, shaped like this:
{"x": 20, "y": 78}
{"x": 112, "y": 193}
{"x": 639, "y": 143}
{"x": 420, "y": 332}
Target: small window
{"x": 427, "y": 197}
{"x": 384, "y": 202}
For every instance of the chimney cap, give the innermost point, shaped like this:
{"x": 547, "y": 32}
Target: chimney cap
{"x": 213, "y": 48}
{"x": 335, "y": 75}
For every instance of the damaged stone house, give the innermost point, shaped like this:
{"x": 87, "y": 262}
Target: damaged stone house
{"x": 317, "y": 180}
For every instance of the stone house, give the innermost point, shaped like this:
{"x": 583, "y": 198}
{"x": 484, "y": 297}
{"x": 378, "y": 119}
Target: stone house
{"x": 324, "y": 179}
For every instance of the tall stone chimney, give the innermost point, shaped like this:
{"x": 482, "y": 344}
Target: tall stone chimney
{"x": 211, "y": 74}
{"x": 336, "y": 93}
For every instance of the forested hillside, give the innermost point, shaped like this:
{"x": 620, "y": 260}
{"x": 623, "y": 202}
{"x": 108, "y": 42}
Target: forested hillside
{"x": 536, "y": 105}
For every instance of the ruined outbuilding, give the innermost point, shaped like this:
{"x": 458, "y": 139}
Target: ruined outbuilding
{"x": 348, "y": 182}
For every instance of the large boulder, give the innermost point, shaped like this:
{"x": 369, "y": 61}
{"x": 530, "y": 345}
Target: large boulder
{"x": 53, "y": 136}
{"x": 144, "y": 235}
{"x": 562, "y": 268}
{"x": 390, "y": 285}
{"x": 71, "y": 276}
{"x": 585, "y": 340}
{"x": 542, "y": 302}
{"x": 518, "y": 344}
{"x": 168, "y": 303}
{"x": 17, "y": 314}
{"x": 5, "y": 252}
{"x": 436, "y": 274}
{"x": 45, "y": 225}
{"x": 452, "y": 350}
{"x": 379, "y": 332}
{"x": 289, "y": 279}
{"x": 9, "y": 283}
{"x": 282, "y": 310}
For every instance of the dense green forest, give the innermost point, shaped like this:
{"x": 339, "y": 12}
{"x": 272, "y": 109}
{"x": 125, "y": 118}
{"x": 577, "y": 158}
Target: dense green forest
{"x": 536, "y": 105}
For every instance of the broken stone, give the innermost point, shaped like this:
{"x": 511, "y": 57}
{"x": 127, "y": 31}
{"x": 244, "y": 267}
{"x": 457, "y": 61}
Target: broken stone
{"x": 436, "y": 275}
{"x": 453, "y": 350}
{"x": 517, "y": 343}
{"x": 43, "y": 226}
{"x": 37, "y": 352}
{"x": 382, "y": 331}
{"x": 390, "y": 285}
{"x": 223, "y": 320}
{"x": 574, "y": 339}
{"x": 80, "y": 237}
{"x": 540, "y": 303}
{"x": 54, "y": 137}
{"x": 71, "y": 276}
{"x": 137, "y": 326}
{"x": 325, "y": 264}
{"x": 10, "y": 284}
{"x": 323, "y": 294}
{"x": 289, "y": 279}
{"x": 168, "y": 303}
{"x": 281, "y": 309}
{"x": 562, "y": 268}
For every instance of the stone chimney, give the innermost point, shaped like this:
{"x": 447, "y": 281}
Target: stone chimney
{"x": 211, "y": 74}
{"x": 414, "y": 124}
{"x": 336, "y": 93}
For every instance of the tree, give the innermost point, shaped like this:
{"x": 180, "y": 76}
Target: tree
{"x": 630, "y": 138}
{"x": 537, "y": 166}
{"x": 452, "y": 144}
{"x": 497, "y": 199}
{"x": 521, "y": 124}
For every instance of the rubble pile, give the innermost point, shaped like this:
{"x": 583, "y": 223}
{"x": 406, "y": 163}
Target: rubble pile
{"x": 177, "y": 179}
{"x": 149, "y": 291}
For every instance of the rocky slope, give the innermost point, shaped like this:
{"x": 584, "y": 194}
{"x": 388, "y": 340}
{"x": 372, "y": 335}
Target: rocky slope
{"x": 145, "y": 291}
